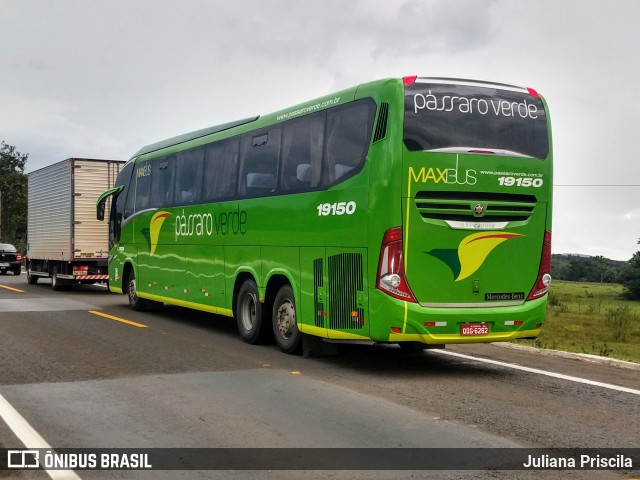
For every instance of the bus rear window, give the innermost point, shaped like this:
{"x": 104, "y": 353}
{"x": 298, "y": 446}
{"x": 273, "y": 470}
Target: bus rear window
{"x": 461, "y": 118}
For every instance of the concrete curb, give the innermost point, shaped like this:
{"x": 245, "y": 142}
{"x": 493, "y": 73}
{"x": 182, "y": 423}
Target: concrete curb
{"x": 578, "y": 356}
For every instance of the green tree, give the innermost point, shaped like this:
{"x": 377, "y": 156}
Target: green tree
{"x": 586, "y": 269}
{"x": 13, "y": 195}
{"x": 630, "y": 277}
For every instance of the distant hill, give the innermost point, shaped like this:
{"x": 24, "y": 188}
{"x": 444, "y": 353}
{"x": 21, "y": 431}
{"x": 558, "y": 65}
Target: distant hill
{"x": 585, "y": 268}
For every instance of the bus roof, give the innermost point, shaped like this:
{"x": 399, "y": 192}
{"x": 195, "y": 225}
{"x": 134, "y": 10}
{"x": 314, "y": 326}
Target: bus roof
{"x": 320, "y": 103}
{"x": 317, "y": 104}
{"x": 332, "y": 99}
{"x": 185, "y": 137}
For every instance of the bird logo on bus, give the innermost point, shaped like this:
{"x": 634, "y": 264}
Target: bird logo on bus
{"x": 471, "y": 253}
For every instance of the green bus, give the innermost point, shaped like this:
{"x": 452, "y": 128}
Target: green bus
{"x": 413, "y": 210}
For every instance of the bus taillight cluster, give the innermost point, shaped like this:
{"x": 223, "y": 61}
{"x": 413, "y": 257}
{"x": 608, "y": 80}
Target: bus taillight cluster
{"x": 544, "y": 273}
{"x": 391, "y": 277}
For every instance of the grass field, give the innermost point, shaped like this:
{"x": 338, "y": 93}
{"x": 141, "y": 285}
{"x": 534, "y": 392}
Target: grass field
{"x": 591, "y": 318}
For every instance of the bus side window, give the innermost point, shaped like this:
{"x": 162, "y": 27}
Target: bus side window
{"x": 347, "y": 139}
{"x": 119, "y": 207}
{"x": 162, "y": 174}
{"x": 189, "y": 176}
{"x": 221, "y": 170}
{"x": 302, "y": 145}
{"x": 259, "y": 163}
{"x": 143, "y": 185}
{"x": 129, "y": 204}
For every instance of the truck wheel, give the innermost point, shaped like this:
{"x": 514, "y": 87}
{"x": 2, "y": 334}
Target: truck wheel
{"x": 135, "y": 302}
{"x": 249, "y": 313}
{"x": 17, "y": 271}
{"x": 31, "y": 279}
{"x": 285, "y": 327}
{"x": 57, "y": 284}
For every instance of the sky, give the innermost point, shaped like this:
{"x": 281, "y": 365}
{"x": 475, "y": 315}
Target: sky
{"x": 100, "y": 79}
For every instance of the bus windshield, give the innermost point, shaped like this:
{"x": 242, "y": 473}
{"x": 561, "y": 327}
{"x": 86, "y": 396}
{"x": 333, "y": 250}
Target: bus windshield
{"x": 462, "y": 118}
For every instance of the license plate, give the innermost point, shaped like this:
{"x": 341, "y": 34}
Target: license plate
{"x": 79, "y": 272}
{"x": 4, "y": 264}
{"x": 473, "y": 329}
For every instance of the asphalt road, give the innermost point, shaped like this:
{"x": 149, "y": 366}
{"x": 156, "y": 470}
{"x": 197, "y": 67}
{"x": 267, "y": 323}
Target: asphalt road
{"x": 183, "y": 379}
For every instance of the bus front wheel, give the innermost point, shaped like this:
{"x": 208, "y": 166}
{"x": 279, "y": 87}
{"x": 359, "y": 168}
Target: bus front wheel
{"x": 135, "y": 302}
{"x": 285, "y": 328}
{"x": 249, "y": 313}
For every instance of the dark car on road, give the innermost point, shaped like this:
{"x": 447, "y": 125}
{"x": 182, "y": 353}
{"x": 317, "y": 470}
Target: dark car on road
{"x": 10, "y": 259}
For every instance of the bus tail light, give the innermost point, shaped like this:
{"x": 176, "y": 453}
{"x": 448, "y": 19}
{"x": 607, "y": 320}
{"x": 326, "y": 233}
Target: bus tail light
{"x": 391, "y": 277}
{"x": 409, "y": 80}
{"x": 533, "y": 93}
{"x": 544, "y": 272}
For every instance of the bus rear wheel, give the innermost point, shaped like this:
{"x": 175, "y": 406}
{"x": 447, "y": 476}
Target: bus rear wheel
{"x": 249, "y": 313}
{"x": 285, "y": 327}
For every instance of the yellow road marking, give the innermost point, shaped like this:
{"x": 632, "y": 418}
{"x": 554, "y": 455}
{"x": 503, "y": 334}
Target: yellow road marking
{"x": 12, "y": 289}
{"x": 118, "y": 319}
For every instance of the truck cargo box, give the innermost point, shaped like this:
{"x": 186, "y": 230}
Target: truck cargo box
{"x": 63, "y": 231}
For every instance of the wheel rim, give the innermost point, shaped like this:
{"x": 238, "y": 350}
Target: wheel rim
{"x": 248, "y": 311}
{"x": 286, "y": 319}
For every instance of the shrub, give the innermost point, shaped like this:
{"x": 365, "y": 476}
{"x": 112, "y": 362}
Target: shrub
{"x": 619, "y": 321}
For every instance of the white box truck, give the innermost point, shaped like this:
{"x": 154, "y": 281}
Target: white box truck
{"x": 65, "y": 241}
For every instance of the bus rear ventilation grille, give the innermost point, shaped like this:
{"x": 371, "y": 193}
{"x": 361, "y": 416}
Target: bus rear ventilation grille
{"x": 318, "y": 285}
{"x": 381, "y": 125}
{"x": 461, "y": 206}
{"x": 345, "y": 286}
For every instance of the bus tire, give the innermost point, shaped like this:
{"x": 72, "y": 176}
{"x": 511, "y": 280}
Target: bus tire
{"x": 250, "y": 313}
{"x": 136, "y": 303}
{"x": 285, "y": 327}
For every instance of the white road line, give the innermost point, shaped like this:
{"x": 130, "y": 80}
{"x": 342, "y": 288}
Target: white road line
{"x": 540, "y": 372}
{"x": 30, "y": 437}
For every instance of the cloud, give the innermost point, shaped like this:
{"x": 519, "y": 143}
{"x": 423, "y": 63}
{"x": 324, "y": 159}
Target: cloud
{"x": 102, "y": 79}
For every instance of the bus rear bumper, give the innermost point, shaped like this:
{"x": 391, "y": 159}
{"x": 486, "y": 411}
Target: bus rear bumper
{"x": 442, "y": 339}
{"x": 443, "y": 325}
